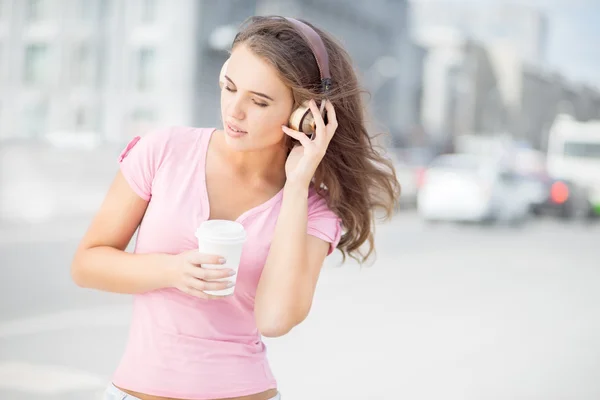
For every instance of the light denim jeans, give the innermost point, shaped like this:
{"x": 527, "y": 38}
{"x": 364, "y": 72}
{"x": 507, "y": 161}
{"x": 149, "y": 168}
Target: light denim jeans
{"x": 114, "y": 393}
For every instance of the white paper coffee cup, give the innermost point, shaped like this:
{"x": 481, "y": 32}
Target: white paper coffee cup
{"x": 226, "y": 239}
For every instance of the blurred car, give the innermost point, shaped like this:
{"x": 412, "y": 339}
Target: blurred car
{"x": 563, "y": 198}
{"x": 547, "y": 195}
{"x": 535, "y": 189}
{"x": 465, "y": 187}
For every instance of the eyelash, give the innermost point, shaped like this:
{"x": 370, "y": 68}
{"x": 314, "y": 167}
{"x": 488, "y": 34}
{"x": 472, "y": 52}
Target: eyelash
{"x": 262, "y": 105}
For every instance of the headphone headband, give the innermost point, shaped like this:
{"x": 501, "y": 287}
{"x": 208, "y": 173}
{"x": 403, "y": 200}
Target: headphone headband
{"x": 315, "y": 42}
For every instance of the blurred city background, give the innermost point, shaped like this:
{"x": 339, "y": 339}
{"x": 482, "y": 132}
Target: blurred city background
{"x": 486, "y": 282}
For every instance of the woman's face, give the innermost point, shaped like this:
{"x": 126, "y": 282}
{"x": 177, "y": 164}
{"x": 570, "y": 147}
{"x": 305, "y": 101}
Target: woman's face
{"x": 254, "y": 101}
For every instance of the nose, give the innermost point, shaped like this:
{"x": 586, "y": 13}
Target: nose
{"x": 235, "y": 107}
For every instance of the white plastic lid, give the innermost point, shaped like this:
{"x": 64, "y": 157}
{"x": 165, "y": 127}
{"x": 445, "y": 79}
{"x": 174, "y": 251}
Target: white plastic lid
{"x": 222, "y": 231}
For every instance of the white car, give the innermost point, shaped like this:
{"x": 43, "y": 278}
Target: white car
{"x": 465, "y": 187}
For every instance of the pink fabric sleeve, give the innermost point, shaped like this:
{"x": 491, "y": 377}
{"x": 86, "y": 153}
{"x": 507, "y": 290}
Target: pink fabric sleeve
{"x": 322, "y": 222}
{"x": 141, "y": 158}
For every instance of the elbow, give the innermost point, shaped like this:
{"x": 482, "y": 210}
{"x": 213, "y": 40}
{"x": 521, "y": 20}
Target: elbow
{"x": 78, "y": 275}
{"x": 275, "y": 327}
{"x": 277, "y": 323}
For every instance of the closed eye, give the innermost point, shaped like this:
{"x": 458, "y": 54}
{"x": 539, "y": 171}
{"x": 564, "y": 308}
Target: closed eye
{"x": 259, "y": 104}
{"x": 259, "y": 94}
{"x": 232, "y": 90}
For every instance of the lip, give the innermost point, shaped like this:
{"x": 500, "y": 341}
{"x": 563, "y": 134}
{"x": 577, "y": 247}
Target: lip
{"x": 230, "y": 130}
{"x": 234, "y": 126}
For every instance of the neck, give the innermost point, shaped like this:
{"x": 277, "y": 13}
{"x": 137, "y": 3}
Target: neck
{"x": 267, "y": 164}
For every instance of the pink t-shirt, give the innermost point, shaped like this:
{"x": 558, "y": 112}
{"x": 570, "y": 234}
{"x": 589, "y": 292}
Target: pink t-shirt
{"x": 182, "y": 346}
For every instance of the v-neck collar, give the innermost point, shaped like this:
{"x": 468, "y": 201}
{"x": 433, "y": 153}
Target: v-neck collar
{"x": 254, "y": 210}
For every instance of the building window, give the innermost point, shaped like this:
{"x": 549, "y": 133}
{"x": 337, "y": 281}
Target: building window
{"x": 36, "y": 64}
{"x": 83, "y": 66}
{"x": 148, "y": 11}
{"x": 146, "y": 71}
{"x": 35, "y": 10}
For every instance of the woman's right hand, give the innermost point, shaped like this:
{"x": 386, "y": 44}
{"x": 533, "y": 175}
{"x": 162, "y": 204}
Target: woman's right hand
{"x": 187, "y": 275}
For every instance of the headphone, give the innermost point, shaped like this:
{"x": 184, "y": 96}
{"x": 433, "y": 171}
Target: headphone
{"x": 301, "y": 118}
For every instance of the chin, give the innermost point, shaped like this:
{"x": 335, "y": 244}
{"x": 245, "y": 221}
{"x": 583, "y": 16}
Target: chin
{"x": 237, "y": 144}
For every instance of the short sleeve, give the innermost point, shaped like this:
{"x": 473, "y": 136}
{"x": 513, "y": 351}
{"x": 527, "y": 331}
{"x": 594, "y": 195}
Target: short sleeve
{"x": 322, "y": 222}
{"x": 140, "y": 160}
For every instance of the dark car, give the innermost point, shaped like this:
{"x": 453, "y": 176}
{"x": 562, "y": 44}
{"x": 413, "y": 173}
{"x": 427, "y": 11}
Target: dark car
{"x": 562, "y": 198}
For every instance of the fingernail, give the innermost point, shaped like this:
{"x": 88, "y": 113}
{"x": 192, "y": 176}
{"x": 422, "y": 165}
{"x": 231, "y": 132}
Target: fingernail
{"x": 230, "y": 284}
{"x": 222, "y": 260}
{"x": 231, "y": 272}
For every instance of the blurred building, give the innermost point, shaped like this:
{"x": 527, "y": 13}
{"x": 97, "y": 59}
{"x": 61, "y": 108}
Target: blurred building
{"x": 460, "y": 87}
{"x": 534, "y": 95}
{"x": 87, "y": 70}
{"x": 475, "y": 84}
{"x": 525, "y": 27}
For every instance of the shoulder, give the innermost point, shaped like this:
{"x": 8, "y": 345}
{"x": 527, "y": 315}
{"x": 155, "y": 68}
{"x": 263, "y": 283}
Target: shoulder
{"x": 166, "y": 141}
{"x": 177, "y": 135}
{"x": 323, "y": 222}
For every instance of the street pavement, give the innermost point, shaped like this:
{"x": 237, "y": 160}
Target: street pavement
{"x": 445, "y": 312}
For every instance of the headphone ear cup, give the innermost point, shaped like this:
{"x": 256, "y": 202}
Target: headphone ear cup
{"x": 222, "y": 73}
{"x": 302, "y": 120}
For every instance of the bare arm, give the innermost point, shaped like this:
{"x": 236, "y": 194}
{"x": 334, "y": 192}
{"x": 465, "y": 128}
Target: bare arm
{"x": 288, "y": 281}
{"x": 101, "y": 262}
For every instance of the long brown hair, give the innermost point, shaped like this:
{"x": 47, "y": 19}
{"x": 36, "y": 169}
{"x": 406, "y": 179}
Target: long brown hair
{"x": 357, "y": 181}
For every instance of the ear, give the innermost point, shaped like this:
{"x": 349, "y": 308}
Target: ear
{"x": 222, "y": 74}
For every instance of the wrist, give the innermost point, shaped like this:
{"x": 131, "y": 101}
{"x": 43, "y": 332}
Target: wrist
{"x": 296, "y": 186}
{"x": 166, "y": 270}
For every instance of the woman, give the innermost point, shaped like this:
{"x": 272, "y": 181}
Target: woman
{"x": 294, "y": 193}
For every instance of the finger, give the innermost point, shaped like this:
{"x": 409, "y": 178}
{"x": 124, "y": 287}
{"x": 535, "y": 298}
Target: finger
{"x": 299, "y": 136}
{"x": 200, "y": 285}
{"x": 320, "y": 124}
{"x": 210, "y": 274}
{"x": 332, "y": 122}
{"x": 192, "y": 291}
{"x": 201, "y": 295}
{"x": 198, "y": 258}
{"x": 217, "y": 285}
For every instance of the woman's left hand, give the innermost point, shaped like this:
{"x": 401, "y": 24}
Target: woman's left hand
{"x": 304, "y": 159}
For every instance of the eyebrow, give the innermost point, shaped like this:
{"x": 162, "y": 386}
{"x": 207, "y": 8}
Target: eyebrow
{"x": 256, "y": 93}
